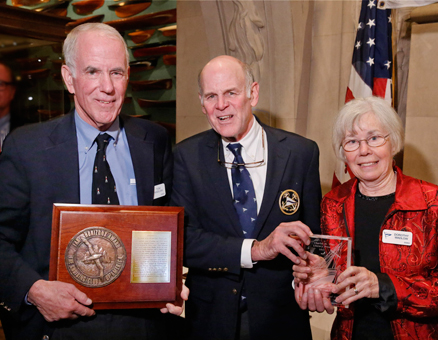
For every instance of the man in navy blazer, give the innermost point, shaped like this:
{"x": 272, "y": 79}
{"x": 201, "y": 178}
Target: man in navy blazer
{"x": 48, "y": 163}
{"x": 241, "y": 286}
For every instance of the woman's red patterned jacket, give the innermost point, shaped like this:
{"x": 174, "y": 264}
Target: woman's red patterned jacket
{"x": 412, "y": 269}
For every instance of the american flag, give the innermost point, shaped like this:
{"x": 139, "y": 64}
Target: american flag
{"x": 371, "y": 69}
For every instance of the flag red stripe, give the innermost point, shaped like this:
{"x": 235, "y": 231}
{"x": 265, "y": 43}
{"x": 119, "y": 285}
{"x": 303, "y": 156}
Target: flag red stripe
{"x": 349, "y": 95}
{"x": 335, "y": 181}
{"x": 379, "y": 88}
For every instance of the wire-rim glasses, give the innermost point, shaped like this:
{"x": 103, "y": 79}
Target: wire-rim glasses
{"x": 372, "y": 141}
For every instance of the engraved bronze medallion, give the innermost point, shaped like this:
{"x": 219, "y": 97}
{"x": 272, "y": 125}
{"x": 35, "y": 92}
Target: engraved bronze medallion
{"x": 289, "y": 202}
{"x": 95, "y": 257}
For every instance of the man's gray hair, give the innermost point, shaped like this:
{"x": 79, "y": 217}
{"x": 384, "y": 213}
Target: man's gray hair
{"x": 351, "y": 114}
{"x": 249, "y": 79}
{"x": 70, "y": 50}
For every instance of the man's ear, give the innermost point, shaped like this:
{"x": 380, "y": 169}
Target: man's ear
{"x": 68, "y": 78}
{"x": 202, "y": 105}
{"x": 254, "y": 94}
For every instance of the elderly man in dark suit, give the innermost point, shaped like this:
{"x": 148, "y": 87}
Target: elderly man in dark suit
{"x": 246, "y": 189}
{"x": 54, "y": 162}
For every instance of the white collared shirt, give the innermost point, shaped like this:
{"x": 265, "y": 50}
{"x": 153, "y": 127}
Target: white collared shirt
{"x": 252, "y": 151}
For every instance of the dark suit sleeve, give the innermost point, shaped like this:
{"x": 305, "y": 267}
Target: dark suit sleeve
{"x": 16, "y": 276}
{"x": 312, "y": 193}
{"x": 204, "y": 248}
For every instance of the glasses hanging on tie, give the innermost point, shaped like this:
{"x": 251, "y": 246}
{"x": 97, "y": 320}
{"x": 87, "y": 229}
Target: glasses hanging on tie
{"x": 230, "y": 165}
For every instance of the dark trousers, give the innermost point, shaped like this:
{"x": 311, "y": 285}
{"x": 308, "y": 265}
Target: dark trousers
{"x": 126, "y": 325}
{"x": 243, "y": 330}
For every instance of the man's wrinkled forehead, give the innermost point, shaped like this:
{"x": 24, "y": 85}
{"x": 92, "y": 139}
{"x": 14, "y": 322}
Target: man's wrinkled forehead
{"x": 87, "y": 38}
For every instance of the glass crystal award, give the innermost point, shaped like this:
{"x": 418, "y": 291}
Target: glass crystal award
{"x": 333, "y": 256}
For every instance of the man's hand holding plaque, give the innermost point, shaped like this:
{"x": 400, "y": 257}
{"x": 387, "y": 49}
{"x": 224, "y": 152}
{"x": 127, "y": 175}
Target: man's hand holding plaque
{"x": 177, "y": 310}
{"x": 59, "y": 300}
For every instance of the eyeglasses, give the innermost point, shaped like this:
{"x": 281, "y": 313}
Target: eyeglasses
{"x": 3, "y": 84}
{"x": 229, "y": 165}
{"x": 373, "y": 141}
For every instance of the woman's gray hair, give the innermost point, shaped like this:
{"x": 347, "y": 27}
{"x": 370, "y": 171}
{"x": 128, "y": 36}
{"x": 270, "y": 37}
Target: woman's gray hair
{"x": 249, "y": 79}
{"x": 351, "y": 114}
{"x": 69, "y": 49}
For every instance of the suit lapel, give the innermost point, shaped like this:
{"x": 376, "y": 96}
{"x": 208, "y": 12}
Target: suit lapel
{"x": 142, "y": 155}
{"x": 61, "y": 154}
{"x": 219, "y": 178}
{"x": 277, "y": 161}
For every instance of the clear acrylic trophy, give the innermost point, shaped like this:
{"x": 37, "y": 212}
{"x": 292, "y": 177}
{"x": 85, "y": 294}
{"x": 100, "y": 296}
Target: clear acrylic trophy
{"x": 333, "y": 257}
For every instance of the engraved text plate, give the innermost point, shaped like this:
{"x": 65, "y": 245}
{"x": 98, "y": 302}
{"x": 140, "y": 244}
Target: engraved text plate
{"x": 150, "y": 260}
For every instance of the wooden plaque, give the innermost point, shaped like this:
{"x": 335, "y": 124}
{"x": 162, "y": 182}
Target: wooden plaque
{"x": 127, "y": 227}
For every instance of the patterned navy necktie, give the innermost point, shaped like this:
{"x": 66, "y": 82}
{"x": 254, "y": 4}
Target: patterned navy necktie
{"x": 245, "y": 201}
{"x": 104, "y": 187}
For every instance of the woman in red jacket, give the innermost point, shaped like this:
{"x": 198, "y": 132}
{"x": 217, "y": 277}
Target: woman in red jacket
{"x": 392, "y": 219}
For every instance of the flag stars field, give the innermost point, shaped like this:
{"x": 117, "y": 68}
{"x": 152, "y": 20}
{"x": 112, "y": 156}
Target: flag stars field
{"x": 371, "y": 22}
{"x": 371, "y": 42}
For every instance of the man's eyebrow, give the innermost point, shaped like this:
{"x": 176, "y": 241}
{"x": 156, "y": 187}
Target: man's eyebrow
{"x": 91, "y": 68}
{"x": 118, "y": 69}
{"x": 232, "y": 89}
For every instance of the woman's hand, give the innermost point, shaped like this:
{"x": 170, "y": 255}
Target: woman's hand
{"x": 313, "y": 298}
{"x": 312, "y": 292}
{"x": 310, "y": 270}
{"x": 364, "y": 283}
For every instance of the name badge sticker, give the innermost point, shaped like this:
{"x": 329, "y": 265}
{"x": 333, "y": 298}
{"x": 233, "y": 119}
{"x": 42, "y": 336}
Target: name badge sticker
{"x": 403, "y": 238}
{"x": 159, "y": 191}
